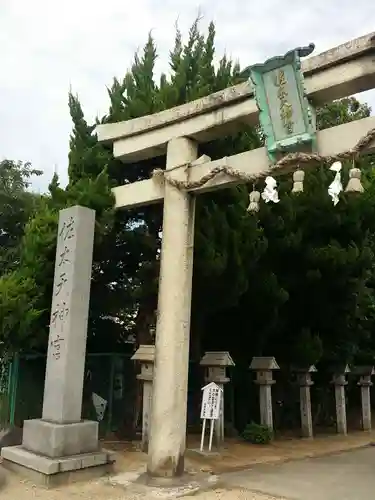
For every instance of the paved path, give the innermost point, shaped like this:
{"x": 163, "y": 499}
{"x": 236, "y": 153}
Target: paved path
{"x": 346, "y": 476}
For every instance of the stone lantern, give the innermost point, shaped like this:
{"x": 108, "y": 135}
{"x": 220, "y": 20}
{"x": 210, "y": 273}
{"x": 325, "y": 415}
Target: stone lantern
{"x": 216, "y": 364}
{"x": 339, "y": 381}
{"x": 264, "y": 366}
{"x": 365, "y": 373}
{"x": 305, "y": 382}
{"x": 145, "y": 355}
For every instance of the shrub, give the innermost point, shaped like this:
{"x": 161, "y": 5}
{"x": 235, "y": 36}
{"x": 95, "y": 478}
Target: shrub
{"x": 257, "y": 433}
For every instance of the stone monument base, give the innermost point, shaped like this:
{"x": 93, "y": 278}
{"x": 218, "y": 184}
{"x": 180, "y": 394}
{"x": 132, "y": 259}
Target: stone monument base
{"x": 51, "y": 472}
{"x": 59, "y": 440}
{"x": 52, "y": 453}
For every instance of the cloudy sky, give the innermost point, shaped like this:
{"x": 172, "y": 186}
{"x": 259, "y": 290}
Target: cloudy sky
{"x": 47, "y": 46}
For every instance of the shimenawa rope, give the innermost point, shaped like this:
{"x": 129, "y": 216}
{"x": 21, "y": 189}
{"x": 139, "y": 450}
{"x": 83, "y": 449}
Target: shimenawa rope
{"x": 291, "y": 159}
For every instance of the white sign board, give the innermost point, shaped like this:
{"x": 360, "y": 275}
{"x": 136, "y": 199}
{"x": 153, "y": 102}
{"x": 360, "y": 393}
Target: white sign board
{"x": 211, "y": 401}
{"x": 211, "y": 406}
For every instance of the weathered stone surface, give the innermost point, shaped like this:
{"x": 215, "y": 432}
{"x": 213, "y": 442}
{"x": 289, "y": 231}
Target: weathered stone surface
{"x": 265, "y": 403}
{"x": 305, "y": 409}
{"x": 177, "y": 131}
{"x": 30, "y": 460}
{"x": 330, "y": 141}
{"x": 263, "y": 367}
{"x": 333, "y": 57}
{"x": 49, "y": 466}
{"x": 339, "y": 381}
{"x": 366, "y": 407}
{"x": 338, "y": 72}
{"x": 365, "y": 373}
{"x": 216, "y": 363}
{"x": 59, "y": 440}
{"x": 342, "y": 53}
{"x": 264, "y": 363}
{"x": 68, "y": 329}
{"x": 169, "y": 405}
{"x": 56, "y": 471}
{"x": 145, "y": 354}
{"x": 216, "y": 358}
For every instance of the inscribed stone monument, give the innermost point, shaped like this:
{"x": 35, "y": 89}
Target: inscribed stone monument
{"x": 61, "y": 435}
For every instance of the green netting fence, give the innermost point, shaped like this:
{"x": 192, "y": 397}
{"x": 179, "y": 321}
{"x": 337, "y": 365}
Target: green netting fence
{"x": 109, "y": 379}
{"x": 5, "y": 392}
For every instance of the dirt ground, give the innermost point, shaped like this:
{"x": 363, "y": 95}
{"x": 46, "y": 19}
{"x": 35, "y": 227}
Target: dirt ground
{"x": 99, "y": 490}
{"x": 239, "y": 455}
{"x": 236, "y": 456}
{"x": 18, "y": 488}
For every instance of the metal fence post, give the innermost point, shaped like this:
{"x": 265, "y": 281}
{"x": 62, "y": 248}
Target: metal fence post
{"x": 13, "y": 384}
{"x": 110, "y": 394}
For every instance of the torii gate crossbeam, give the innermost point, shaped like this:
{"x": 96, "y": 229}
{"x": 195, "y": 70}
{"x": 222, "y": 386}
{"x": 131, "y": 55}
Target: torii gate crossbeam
{"x": 339, "y": 72}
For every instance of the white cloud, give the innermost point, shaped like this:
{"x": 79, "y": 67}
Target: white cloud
{"x": 48, "y": 46}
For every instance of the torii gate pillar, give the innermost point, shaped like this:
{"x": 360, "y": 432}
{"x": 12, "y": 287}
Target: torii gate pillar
{"x": 339, "y": 72}
{"x": 169, "y": 404}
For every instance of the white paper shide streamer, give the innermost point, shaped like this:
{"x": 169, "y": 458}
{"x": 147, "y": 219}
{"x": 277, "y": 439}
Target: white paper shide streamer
{"x": 335, "y": 188}
{"x": 270, "y": 192}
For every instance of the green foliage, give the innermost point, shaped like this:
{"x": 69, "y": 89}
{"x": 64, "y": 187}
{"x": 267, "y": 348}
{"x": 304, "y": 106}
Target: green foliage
{"x": 296, "y": 282}
{"x": 18, "y": 311}
{"x": 26, "y": 291}
{"x": 17, "y": 290}
{"x": 137, "y": 232}
{"x": 15, "y": 177}
{"x": 307, "y": 349}
{"x": 257, "y": 433}
{"x": 17, "y": 205}
{"x": 341, "y": 111}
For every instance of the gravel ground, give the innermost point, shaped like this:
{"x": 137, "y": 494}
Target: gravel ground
{"x": 233, "y": 494}
{"x": 100, "y": 490}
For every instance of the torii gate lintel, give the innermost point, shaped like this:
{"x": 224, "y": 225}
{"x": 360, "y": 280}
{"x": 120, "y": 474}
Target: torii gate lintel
{"x": 342, "y": 71}
{"x": 330, "y": 142}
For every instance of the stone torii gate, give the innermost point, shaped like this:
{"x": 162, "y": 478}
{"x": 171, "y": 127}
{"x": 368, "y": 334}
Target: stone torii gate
{"x": 339, "y": 72}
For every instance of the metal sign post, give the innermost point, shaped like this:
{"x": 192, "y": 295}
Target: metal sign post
{"x": 210, "y": 410}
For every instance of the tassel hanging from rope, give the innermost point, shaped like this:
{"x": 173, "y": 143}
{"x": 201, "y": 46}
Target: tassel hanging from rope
{"x": 354, "y": 184}
{"x": 254, "y": 198}
{"x": 298, "y": 178}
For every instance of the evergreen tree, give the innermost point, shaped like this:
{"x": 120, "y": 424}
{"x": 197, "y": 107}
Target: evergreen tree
{"x": 192, "y": 76}
{"x": 17, "y": 205}
{"x": 296, "y": 282}
{"x": 310, "y": 294}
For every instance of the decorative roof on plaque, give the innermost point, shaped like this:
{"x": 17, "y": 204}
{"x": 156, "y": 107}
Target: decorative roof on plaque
{"x": 363, "y": 370}
{"x": 217, "y": 358}
{"x": 264, "y": 363}
{"x": 285, "y": 115}
{"x": 144, "y": 354}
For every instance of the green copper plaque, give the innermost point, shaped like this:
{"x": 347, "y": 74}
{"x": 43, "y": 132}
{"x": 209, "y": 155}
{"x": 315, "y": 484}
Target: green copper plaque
{"x": 286, "y": 116}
